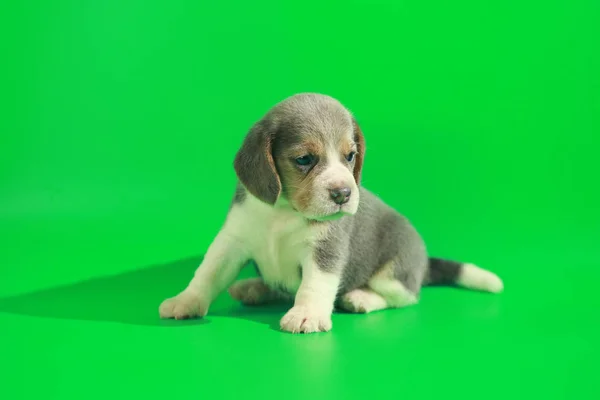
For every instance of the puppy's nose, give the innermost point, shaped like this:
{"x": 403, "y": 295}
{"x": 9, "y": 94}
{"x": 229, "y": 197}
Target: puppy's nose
{"x": 340, "y": 195}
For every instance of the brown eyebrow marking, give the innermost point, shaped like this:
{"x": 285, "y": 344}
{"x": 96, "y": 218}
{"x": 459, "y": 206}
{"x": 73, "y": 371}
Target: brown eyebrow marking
{"x": 347, "y": 147}
{"x": 307, "y": 147}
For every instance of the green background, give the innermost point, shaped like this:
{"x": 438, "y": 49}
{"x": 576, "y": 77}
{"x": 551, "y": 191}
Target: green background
{"x": 119, "y": 123}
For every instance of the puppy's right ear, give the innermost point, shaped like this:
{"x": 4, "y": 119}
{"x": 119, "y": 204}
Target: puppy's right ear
{"x": 254, "y": 164}
{"x": 359, "y": 138}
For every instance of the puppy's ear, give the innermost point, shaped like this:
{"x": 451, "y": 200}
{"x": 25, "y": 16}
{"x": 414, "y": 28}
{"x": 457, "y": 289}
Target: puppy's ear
{"x": 359, "y": 139}
{"x": 254, "y": 164}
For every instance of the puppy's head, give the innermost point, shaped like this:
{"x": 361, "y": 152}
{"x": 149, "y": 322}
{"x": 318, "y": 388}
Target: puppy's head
{"x": 306, "y": 152}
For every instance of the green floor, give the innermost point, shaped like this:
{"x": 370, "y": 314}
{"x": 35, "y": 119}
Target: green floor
{"x": 119, "y": 121}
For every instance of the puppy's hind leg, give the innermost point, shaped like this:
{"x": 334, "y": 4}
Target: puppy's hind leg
{"x": 363, "y": 300}
{"x": 392, "y": 290}
{"x": 254, "y": 292}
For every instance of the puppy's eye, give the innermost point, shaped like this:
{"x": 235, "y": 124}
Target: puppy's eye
{"x": 304, "y": 160}
{"x": 350, "y": 156}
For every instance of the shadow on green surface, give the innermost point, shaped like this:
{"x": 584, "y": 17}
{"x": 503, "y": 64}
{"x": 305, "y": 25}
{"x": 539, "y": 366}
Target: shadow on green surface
{"x": 130, "y": 298}
{"x": 133, "y": 298}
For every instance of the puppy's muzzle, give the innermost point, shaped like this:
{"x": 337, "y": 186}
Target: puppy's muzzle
{"x": 340, "y": 195}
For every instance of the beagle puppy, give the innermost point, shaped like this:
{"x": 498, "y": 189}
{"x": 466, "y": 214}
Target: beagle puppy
{"x": 315, "y": 235}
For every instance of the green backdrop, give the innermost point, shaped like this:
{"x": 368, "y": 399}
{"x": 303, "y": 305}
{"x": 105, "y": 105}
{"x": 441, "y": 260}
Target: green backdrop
{"x": 119, "y": 121}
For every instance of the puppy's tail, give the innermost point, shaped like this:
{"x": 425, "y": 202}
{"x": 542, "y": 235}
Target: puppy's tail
{"x": 447, "y": 272}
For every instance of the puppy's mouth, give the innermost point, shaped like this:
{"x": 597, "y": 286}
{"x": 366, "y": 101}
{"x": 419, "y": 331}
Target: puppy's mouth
{"x": 333, "y": 216}
{"x": 330, "y": 217}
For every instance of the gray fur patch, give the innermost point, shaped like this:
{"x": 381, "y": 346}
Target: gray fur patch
{"x": 240, "y": 195}
{"x": 330, "y": 252}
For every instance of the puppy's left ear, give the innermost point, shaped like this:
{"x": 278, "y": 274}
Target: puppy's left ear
{"x": 254, "y": 164}
{"x": 359, "y": 139}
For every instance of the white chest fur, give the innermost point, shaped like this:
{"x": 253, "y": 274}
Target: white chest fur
{"x": 277, "y": 239}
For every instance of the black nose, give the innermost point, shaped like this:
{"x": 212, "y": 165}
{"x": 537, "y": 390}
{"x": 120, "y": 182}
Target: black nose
{"x": 340, "y": 195}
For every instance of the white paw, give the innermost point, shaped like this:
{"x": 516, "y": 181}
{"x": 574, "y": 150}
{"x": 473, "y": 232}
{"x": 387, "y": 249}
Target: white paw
{"x": 362, "y": 301}
{"x": 302, "y": 319}
{"x": 184, "y": 305}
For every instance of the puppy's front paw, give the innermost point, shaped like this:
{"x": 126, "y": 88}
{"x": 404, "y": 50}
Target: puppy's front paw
{"x": 184, "y": 305}
{"x": 302, "y": 319}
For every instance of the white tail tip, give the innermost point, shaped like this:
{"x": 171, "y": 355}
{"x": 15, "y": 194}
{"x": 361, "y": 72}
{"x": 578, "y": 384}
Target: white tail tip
{"x": 473, "y": 277}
